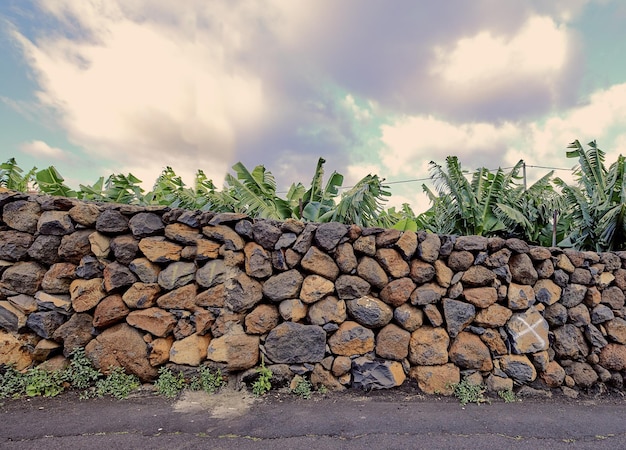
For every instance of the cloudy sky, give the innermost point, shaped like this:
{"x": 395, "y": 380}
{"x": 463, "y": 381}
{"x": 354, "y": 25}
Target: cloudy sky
{"x": 96, "y": 87}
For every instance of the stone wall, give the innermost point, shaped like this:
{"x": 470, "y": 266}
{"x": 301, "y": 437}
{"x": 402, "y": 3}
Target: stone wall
{"x": 371, "y": 308}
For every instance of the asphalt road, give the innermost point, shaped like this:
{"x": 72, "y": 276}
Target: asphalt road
{"x": 352, "y": 420}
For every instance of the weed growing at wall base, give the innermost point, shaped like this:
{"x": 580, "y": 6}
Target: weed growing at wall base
{"x": 467, "y": 392}
{"x": 263, "y": 384}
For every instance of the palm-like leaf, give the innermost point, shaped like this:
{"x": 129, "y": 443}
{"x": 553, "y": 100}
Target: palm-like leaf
{"x": 11, "y": 176}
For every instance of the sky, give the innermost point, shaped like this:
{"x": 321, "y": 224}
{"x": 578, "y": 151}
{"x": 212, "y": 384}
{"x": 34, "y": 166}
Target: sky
{"x": 383, "y": 87}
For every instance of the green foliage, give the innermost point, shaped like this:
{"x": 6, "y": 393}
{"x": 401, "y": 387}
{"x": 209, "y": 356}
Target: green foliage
{"x": 43, "y": 382}
{"x": 81, "y": 374}
{"x": 168, "y": 384}
{"x": 207, "y": 381}
{"x": 117, "y": 384}
{"x": 50, "y": 182}
{"x": 507, "y": 395}
{"x": 263, "y": 383}
{"x": 11, "y": 176}
{"x": 303, "y": 388}
{"x": 595, "y": 208}
{"x": 467, "y": 392}
{"x": 12, "y": 382}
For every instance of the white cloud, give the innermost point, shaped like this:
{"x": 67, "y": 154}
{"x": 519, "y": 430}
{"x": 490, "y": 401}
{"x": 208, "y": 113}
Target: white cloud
{"x": 132, "y": 88}
{"x": 539, "y": 49}
{"x": 40, "y": 149}
{"x": 412, "y": 142}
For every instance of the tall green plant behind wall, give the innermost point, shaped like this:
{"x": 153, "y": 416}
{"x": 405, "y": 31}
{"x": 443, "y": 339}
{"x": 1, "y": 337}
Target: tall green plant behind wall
{"x": 590, "y": 214}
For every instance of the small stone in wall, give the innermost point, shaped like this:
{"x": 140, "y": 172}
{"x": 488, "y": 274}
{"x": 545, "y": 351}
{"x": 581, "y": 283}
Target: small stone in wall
{"x": 11, "y": 318}
{"x": 225, "y": 235}
{"x": 471, "y": 243}
{"x": 159, "y": 250}
{"x": 14, "y": 245}
{"x": 438, "y": 379}
{"x": 45, "y": 323}
{"x": 22, "y": 278}
{"x": 328, "y": 310}
{"x": 262, "y": 319}
{"x": 522, "y": 269}
{"x": 155, "y": 321}
{"x": 469, "y": 352}
{"x": 429, "y": 346}
{"x": 613, "y": 357}
{"x": 190, "y": 351}
{"x": 528, "y": 332}
{"x": 458, "y": 315}
{"x": 392, "y": 262}
{"x": 349, "y": 287}
{"x": 283, "y": 286}
{"x": 369, "y": 311}
{"x": 293, "y": 343}
{"x": 13, "y": 352}
{"x": 22, "y": 215}
{"x": 570, "y": 342}
{"x": 45, "y": 249}
{"x": 258, "y": 261}
{"x": 76, "y": 332}
{"x": 519, "y": 368}
{"x": 351, "y": 339}
{"x": 392, "y": 342}
{"x": 397, "y": 292}
{"x": 315, "y": 288}
{"x": 159, "y": 351}
{"x": 110, "y": 310}
{"x": 176, "y": 275}
{"x": 124, "y": 247}
{"x": 376, "y": 374}
{"x": 409, "y": 317}
{"x": 433, "y": 315}
{"x": 328, "y": 235}
{"x": 491, "y": 337}
{"x": 407, "y": 244}
{"x": 117, "y": 276}
{"x": 86, "y": 294}
{"x": 242, "y": 293}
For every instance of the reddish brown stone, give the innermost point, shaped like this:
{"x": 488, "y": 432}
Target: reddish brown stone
{"x": 141, "y": 295}
{"x": 86, "y": 294}
{"x": 392, "y": 342}
{"x": 351, "y": 339}
{"x": 439, "y": 379}
{"x": 262, "y": 319}
{"x": 110, "y": 310}
{"x": 429, "y": 346}
{"x": 469, "y": 352}
{"x": 397, "y": 291}
{"x": 155, "y": 321}
{"x": 481, "y": 297}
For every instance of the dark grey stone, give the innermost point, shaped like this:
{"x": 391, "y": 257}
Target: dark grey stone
{"x": 45, "y": 323}
{"x": 112, "y": 222}
{"x": 349, "y": 287}
{"x": 370, "y": 374}
{"x": 328, "y": 235}
{"x": 458, "y": 315}
{"x": 14, "y": 245}
{"x": 294, "y": 343}
{"x": 146, "y": 224}
{"x": 265, "y": 234}
{"x": 90, "y": 267}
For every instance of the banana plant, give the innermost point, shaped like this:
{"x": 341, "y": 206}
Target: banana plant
{"x": 50, "y": 181}
{"x": 317, "y": 201}
{"x": 255, "y": 193}
{"x": 12, "y": 176}
{"x": 596, "y": 206}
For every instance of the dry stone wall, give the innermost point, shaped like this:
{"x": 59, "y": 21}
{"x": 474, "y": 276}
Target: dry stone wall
{"x": 140, "y": 287}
